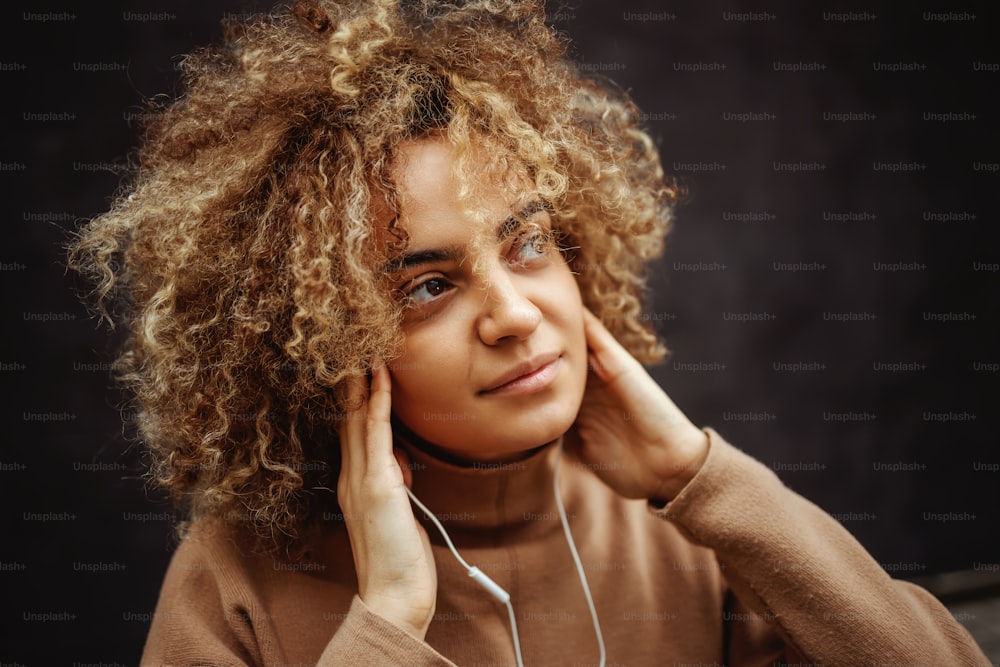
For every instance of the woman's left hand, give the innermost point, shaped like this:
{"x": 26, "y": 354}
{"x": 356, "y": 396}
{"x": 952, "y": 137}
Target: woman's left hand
{"x": 628, "y": 431}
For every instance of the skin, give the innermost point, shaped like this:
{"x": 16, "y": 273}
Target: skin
{"x": 521, "y": 303}
{"x": 474, "y": 316}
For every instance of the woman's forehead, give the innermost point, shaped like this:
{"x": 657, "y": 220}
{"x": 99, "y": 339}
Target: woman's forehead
{"x": 434, "y": 178}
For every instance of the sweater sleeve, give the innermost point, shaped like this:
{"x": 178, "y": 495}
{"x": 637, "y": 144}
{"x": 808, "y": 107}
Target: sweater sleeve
{"x": 209, "y": 613}
{"x": 368, "y": 640}
{"x": 798, "y": 570}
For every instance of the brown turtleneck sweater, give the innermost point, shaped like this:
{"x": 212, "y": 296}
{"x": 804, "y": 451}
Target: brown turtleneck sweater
{"x": 737, "y": 570}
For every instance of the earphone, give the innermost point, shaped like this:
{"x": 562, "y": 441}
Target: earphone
{"x": 503, "y": 596}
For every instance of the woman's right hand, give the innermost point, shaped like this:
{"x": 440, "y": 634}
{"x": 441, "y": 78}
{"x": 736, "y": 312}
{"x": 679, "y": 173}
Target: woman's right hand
{"x": 392, "y": 554}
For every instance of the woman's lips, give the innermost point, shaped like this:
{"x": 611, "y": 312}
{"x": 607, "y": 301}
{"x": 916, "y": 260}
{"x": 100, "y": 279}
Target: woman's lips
{"x": 528, "y": 382}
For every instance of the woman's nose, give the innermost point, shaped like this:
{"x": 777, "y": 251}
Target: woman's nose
{"x": 507, "y": 311}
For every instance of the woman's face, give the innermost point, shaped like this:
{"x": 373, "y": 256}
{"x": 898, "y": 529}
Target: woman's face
{"x": 495, "y": 359}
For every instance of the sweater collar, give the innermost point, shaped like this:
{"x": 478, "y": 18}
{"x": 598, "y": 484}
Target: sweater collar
{"x": 485, "y": 495}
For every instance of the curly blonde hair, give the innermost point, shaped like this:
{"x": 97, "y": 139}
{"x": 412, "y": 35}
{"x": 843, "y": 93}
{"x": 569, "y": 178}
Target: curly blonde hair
{"x": 242, "y": 254}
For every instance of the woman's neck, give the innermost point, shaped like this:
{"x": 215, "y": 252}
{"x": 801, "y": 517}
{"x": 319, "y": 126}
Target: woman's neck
{"x": 405, "y": 435}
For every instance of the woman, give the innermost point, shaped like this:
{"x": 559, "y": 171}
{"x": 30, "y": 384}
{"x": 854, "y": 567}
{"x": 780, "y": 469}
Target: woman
{"x": 392, "y": 253}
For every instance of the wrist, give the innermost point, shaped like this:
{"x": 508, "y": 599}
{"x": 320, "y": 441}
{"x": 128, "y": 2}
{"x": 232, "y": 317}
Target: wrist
{"x": 692, "y": 452}
{"x": 413, "y": 622}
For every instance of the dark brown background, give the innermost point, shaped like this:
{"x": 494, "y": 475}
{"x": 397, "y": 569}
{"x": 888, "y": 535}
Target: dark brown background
{"x": 781, "y": 417}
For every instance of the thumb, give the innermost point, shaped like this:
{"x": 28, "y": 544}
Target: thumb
{"x": 403, "y": 459}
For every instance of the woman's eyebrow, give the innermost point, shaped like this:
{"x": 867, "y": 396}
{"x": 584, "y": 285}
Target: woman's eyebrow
{"x": 408, "y": 260}
{"x": 504, "y": 229}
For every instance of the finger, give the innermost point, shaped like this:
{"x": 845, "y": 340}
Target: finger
{"x": 607, "y": 357}
{"x": 379, "y": 406}
{"x": 378, "y": 440}
{"x": 403, "y": 459}
{"x": 352, "y": 429}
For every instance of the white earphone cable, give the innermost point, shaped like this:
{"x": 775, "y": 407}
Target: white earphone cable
{"x": 479, "y": 576}
{"x": 576, "y": 557}
{"x": 499, "y": 593}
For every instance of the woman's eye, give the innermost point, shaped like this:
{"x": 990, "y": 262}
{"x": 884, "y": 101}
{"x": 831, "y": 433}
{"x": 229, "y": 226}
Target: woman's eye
{"x": 427, "y": 291}
{"x": 532, "y": 246}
